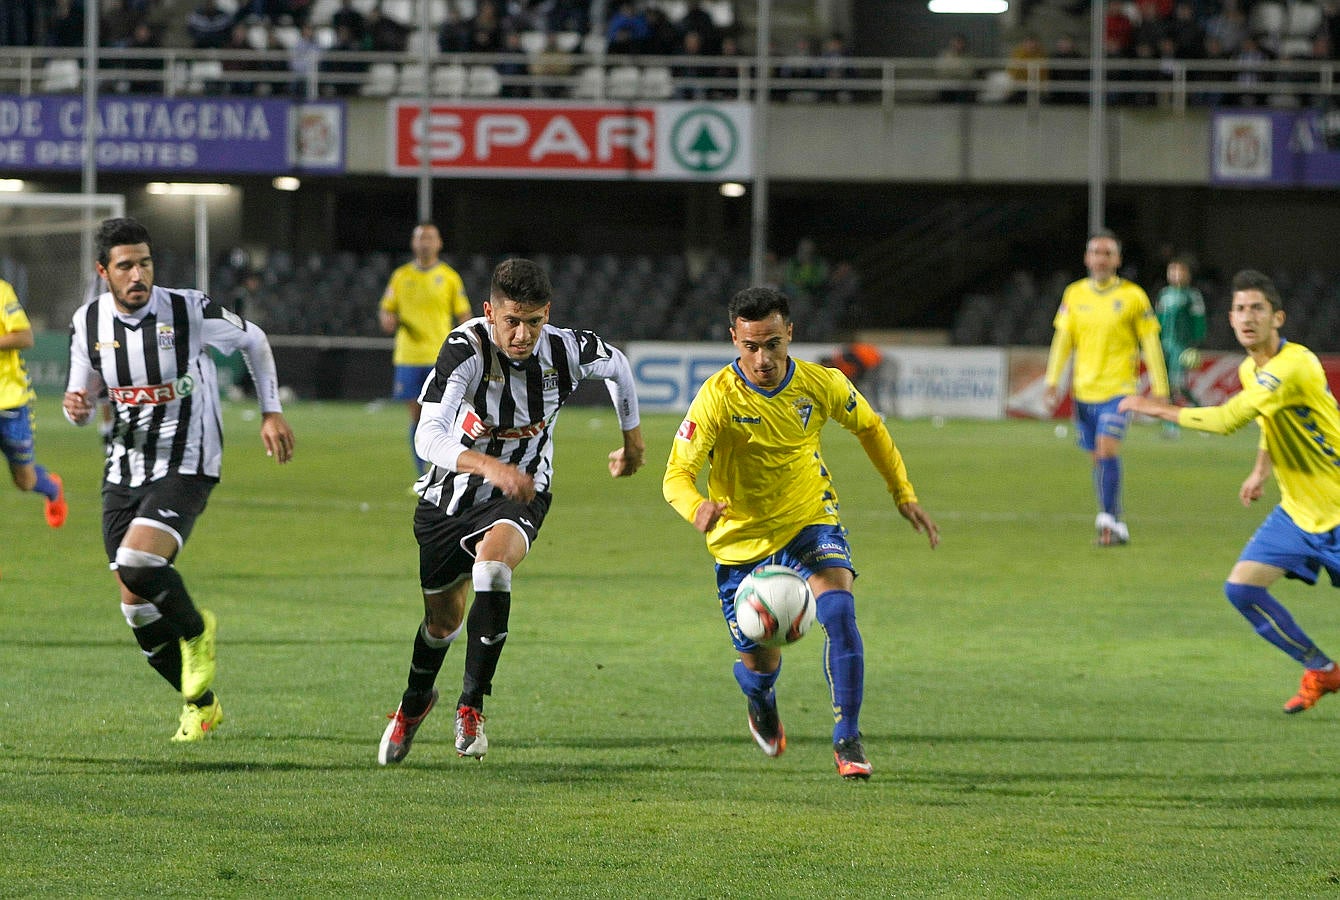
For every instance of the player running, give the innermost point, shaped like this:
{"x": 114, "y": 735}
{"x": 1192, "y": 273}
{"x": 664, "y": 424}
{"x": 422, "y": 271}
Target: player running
{"x": 756, "y": 425}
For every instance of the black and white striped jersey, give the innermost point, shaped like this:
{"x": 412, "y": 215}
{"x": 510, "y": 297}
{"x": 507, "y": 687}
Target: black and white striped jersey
{"x": 162, "y": 381}
{"x": 479, "y": 399}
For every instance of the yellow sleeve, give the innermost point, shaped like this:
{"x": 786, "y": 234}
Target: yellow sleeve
{"x": 688, "y": 454}
{"x": 389, "y": 302}
{"x": 1062, "y": 345}
{"x": 461, "y": 311}
{"x": 1255, "y": 399}
{"x": 1155, "y": 365}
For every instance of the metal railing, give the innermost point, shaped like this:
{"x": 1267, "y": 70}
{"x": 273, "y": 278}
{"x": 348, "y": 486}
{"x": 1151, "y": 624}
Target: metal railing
{"x": 1172, "y": 84}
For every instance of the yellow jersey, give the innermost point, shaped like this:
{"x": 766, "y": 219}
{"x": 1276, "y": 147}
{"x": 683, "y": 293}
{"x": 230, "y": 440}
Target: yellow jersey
{"x": 1106, "y": 326}
{"x": 1300, "y": 429}
{"x": 15, "y": 388}
{"x": 430, "y": 302}
{"x": 763, "y": 456}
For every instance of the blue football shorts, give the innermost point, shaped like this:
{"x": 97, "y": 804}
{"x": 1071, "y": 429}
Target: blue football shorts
{"x": 1301, "y": 554}
{"x": 1095, "y": 420}
{"x": 409, "y": 381}
{"x": 16, "y": 435}
{"x": 816, "y": 547}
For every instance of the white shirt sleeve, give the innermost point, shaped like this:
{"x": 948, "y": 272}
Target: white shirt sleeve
{"x": 231, "y": 333}
{"x": 443, "y": 425}
{"x": 618, "y": 375}
{"x": 82, "y": 375}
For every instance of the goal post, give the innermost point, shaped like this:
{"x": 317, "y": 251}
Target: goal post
{"x": 46, "y": 251}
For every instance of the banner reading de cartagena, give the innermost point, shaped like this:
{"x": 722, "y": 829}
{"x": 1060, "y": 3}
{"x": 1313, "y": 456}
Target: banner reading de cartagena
{"x": 162, "y": 134}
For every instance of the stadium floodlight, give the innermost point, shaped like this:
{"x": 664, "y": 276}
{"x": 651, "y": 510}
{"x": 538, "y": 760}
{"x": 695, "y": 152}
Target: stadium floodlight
{"x": 732, "y": 189}
{"x": 989, "y": 7}
{"x": 189, "y": 188}
{"x": 285, "y": 183}
{"x": 11, "y": 185}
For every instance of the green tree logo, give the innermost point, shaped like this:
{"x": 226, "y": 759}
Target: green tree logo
{"x": 704, "y": 139}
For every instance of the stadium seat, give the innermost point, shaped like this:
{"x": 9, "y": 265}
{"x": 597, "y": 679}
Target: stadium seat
{"x": 656, "y": 83}
{"x": 568, "y": 41}
{"x": 60, "y": 76}
{"x": 533, "y": 42}
{"x": 203, "y": 74}
{"x": 381, "y": 80}
{"x": 411, "y": 79}
{"x": 622, "y": 83}
{"x": 449, "y": 80}
{"x": 590, "y": 83}
{"x": 483, "y": 81}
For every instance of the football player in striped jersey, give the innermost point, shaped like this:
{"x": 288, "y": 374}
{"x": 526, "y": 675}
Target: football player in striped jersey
{"x": 148, "y": 347}
{"x": 487, "y": 433}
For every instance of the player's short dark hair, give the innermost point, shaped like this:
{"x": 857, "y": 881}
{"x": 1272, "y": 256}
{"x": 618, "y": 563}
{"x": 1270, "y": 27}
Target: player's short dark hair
{"x": 117, "y": 233}
{"x": 1252, "y": 280}
{"x": 1184, "y": 259}
{"x": 754, "y": 304}
{"x": 1105, "y": 233}
{"x": 521, "y": 281}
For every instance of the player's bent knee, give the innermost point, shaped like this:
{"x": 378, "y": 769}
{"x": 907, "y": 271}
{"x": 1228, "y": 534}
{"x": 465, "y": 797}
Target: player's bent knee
{"x": 1242, "y": 596}
{"x": 141, "y": 572}
{"x": 492, "y": 575}
{"x": 834, "y": 607}
{"x": 139, "y": 615}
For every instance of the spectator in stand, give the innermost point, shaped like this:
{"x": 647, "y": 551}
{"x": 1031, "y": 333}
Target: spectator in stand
{"x": 18, "y": 23}
{"x": 345, "y": 83}
{"x": 239, "y": 39}
{"x": 1249, "y": 77}
{"x": 144, "y": 38}
{"x": 797, "y": 67}
{"x": 1117, "y": 29}
{"x": 662, "y": 38}
{"x": 453, "y": 36}
{"x": 1213, "y": 53}
{"x": 209, "y": 26}
{"x": 1027, "y": 63}
{"x": 304, "y": 59}
{"x": 117, "y": 24}
{"x": 66, "y": 26}
{"x": 700, "y": 20}
{"x": 1227, "y": 28}
{"x": 1330, "y": 27}
{"x": 485, "y": 29}
{"x": 627, "y": 29}
{"x": 276, "y": 66}
{"x": 728, "y": 72}
{"x": 299, "y": 12}
{"x": 383, "y": 33}
{"x": 1069, "y": 83}
{"x": 954, "y": 63}
{"x": 836, "y": 66}
{"x": 806, "y": 273}
{"x": 1186, "y": 31}
{"x": 569, "y": 15}
{"x": 686, "y": 73}
{"x": 554, "y": 65}
{"x": 350, "y": 18}
{"x": 515, "y": 68}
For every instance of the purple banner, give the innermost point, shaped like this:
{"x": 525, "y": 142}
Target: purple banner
{"x": 1276, "y": 148}
{"x": 161, "y": 135}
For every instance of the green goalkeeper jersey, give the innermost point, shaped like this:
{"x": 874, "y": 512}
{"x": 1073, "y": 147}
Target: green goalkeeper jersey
{"x": 1181, "y": 312}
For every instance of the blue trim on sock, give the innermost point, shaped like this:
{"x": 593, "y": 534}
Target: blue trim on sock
{"x": 844, "y": 660}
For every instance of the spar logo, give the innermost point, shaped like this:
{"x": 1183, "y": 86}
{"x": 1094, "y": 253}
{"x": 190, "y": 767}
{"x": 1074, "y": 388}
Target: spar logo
{"x": 704, "y": 140}
{"x": 153, "y": 394}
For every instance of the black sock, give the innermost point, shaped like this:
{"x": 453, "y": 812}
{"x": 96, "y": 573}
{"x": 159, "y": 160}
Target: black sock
{"x": 486, "y": 630}
{"x": 161, "y": 649}
{"x": 423, "y": 668}
{"x": 162, "y": 586}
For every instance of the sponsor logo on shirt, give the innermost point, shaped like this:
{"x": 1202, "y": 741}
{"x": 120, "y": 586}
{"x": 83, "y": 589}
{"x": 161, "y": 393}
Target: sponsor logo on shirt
{"x": 153, "y": 394}
{"x": 167, "y": 338}
{"x": 472, "y": 426}
{"x": 687, "y": 429}
{"x": 747, "y": 420}
{"x": 109, "y": 345}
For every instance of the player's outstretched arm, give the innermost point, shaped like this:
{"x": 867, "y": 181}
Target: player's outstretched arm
{"x": 277, "y": 437}
{"x": 628, "y": 458}
{"x": 1157, "y": 407}
{"x": 921, "y": 522}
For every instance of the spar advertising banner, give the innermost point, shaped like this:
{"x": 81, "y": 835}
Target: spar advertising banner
{"x": 910, "y": 382}
{"x": 163, "y": 136}
{"x": 1214, "y": 382}
{"x": 654, "y": 141}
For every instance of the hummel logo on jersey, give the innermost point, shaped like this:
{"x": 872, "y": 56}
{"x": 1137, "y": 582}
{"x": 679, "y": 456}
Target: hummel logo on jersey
{"x": 168, "y": 513}
{"x": 492, "y": 641}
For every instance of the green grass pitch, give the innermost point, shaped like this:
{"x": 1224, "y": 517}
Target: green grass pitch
{"x": 1045, "y": 718}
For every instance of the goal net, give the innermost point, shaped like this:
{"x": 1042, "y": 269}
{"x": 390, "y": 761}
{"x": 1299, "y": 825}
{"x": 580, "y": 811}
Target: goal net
{"x": 46, "y": 251}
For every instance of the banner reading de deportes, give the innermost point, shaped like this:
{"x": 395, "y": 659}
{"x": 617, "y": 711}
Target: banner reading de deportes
{"x": 162, "y": 135}
{"x": 661, "y": 141}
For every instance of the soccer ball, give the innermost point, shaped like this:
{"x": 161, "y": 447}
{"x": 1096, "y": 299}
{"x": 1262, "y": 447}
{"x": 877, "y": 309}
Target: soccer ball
{"x": 774, "y": 606}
